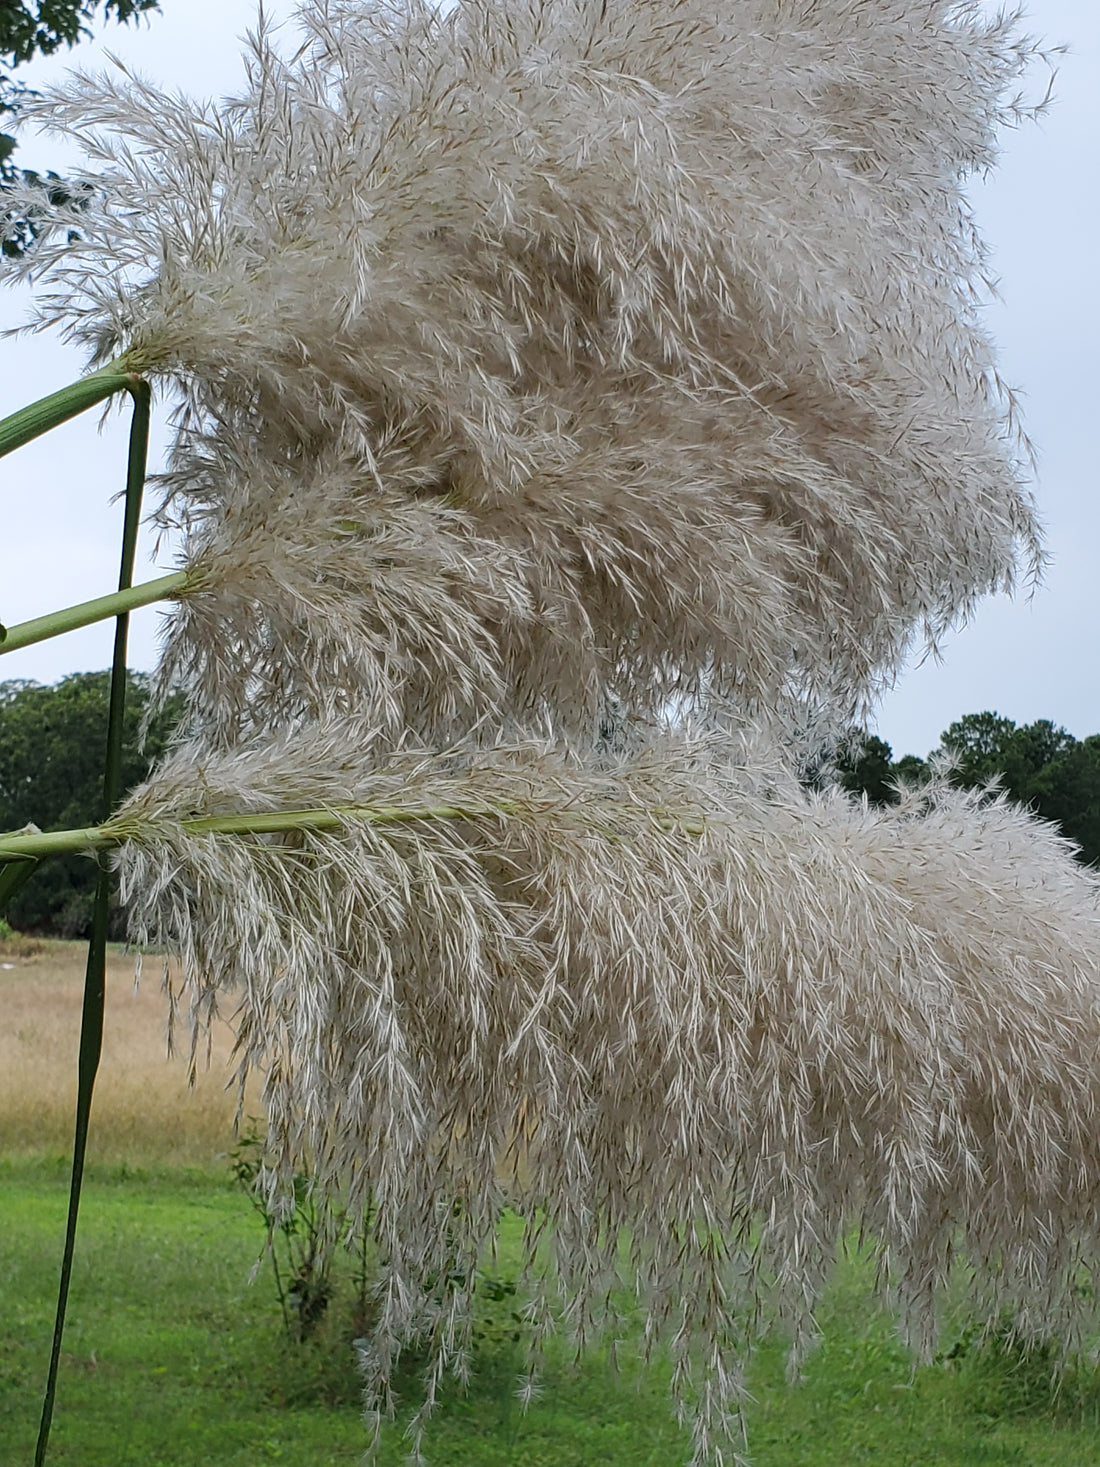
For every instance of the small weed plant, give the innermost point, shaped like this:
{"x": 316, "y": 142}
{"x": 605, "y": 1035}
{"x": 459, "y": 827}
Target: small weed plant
{"x": 15, "y": 944}
{"x": 299, "y": 1243}
{"x": 323, "y": 1270}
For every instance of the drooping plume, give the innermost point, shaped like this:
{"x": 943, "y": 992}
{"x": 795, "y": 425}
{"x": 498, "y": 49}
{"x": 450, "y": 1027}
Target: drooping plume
{"x": 730, "y": 1018}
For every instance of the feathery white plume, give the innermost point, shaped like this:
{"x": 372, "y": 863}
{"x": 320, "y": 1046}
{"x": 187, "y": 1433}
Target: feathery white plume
{"x": 663, "y": 995}
{"x": 545, "y": 365}
{"x": 668, "y": 312}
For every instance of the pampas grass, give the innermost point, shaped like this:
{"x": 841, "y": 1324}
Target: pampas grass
{"x": 658, "y": 321}
{"x": 544, "y": 369}
{"x": 725, "y": 1016}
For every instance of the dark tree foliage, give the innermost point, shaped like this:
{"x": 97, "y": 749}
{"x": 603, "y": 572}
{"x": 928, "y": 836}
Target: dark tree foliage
{"x": 863, "y": 767}
{"x": 1039, "y": 765}
{"x": 1067, "y": 790}
{"x": 51, "y": 773}
{"x": 985, "y": 746}
{"x": 38, "y": 28}
{"x": 909, "y": 770}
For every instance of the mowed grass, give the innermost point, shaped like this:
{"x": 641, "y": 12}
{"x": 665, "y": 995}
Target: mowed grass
{"x": 173, "y": 1358}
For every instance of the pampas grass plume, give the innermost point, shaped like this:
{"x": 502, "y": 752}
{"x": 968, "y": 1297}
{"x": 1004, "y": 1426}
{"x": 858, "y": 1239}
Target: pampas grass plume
{"x": 729, "y": 1017}
{"x": 635, "y": 344}
{"x": 549, "y": 372}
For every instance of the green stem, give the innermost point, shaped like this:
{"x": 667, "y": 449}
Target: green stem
{"x": 40, "y": 844}
{"x": 37, "y": 845}
{"x": 50, "y": 412}
{"x": 91, "y": 1019}
{"x": 135, "y": 487}
{"x": 56, "y": 623}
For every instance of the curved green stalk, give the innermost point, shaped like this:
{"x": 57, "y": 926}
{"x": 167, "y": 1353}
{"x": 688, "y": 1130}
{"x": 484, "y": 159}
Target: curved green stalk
{"x": 56, "y": 623}
{"x": 50, "y": 412}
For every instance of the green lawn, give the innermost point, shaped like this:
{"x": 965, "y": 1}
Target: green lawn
{"x": 174, "y": 1360}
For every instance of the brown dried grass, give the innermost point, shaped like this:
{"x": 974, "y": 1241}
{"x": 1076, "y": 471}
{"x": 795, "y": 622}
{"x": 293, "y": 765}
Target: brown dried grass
{"x": 144, "y": 1113}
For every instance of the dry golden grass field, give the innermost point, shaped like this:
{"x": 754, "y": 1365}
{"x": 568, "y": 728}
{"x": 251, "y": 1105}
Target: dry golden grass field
{"x": 145, "y": 1113}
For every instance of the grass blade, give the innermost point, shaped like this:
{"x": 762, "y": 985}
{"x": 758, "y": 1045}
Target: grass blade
{"x": 91, "y": 1021}
{"x": 13, "y": 874}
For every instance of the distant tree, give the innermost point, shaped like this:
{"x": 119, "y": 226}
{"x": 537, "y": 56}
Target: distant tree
{"x": 985, "y": 746}
{"x": 51, "y": 774}
{"x": 863, "y": 767}
{"x": 1067, "y": 790}
{"x": 910, "y": 769}
{"x": 977, "y": 746}
{"x": 38, "y": 28}
{"x": 1039, "y": 765}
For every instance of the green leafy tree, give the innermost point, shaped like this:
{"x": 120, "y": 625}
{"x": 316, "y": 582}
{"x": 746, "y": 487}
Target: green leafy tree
{"x": 910, "y": 770}
{"x": 1067, "y": 790}
{"x": 51, "y": 774}
{"x": 1039, "y": 765}
{"x": 864, "y": 767}
{"x": 977, "y": 746}
{"x": 985, "y": 746}
{"x": 37, "y": 28}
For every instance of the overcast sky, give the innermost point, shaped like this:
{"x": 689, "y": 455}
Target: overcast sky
{"x": 1028, "y": 658}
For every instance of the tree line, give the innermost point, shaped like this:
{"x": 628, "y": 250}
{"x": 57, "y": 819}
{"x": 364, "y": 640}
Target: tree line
{"x": 1039, "y": 765}
{"x": 51, "y": 773}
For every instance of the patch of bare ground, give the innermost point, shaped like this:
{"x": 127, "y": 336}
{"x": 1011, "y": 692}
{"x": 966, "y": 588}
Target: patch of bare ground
{"x": 145, "y": 1113}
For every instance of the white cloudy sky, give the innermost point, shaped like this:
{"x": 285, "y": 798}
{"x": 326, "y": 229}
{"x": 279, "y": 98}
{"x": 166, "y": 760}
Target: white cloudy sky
{"x": 1037, "y": 658}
